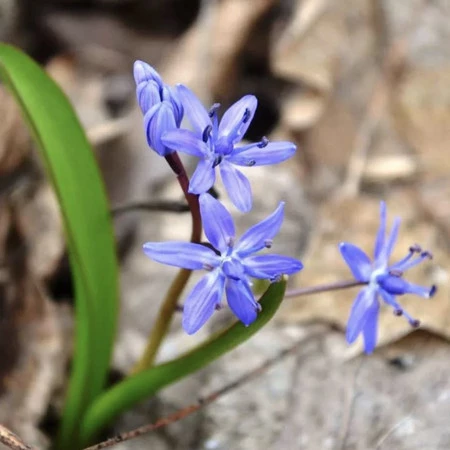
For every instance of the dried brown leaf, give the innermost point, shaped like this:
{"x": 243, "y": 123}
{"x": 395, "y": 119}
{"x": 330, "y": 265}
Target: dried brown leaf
{"x": 41, "y": 225}
{"x": 423, "y": 117}
{"x": 205, "y": 58}
{"x": 15, "y": 143}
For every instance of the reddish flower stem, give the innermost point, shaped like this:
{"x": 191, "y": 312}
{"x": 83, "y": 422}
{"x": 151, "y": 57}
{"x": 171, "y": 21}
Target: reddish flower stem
{"x": 169, "y": 305}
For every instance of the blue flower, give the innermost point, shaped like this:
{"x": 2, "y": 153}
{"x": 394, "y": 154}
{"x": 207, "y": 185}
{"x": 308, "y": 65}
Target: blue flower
{"x": 159, "y": 103}
{"x": 230, "y": 266}
{"x": 383, "y": 280}
{"x": 215, "y": 144}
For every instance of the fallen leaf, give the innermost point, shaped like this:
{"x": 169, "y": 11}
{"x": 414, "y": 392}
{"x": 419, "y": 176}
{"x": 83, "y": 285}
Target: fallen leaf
{"x": 422, "y": 105}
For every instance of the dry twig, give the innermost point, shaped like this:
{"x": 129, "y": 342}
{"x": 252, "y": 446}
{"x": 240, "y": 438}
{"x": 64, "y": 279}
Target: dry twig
{"x": 393, "y": 65}
{"x": 12, "y": 441}
{"x": 204, "y": 401}
{"x": 163, "y": 206}
{"x": 350, "y": 406}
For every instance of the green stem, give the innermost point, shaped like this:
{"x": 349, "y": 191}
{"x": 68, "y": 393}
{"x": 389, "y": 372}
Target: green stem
{"x": 163, "y": 321}
{"x": 147, "y": 383}
{"x": 170, "y": 302}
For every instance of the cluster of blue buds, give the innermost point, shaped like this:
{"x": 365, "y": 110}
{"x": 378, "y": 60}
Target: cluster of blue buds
{"x": 231, "y": 264}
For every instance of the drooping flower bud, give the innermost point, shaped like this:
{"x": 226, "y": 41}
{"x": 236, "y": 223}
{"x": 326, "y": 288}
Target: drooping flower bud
{"x": 160, "y": 105}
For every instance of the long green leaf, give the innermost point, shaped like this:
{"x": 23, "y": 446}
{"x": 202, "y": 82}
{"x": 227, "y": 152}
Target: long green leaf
{"x": 145, "y": 384}
{"x": 74, "y": 174}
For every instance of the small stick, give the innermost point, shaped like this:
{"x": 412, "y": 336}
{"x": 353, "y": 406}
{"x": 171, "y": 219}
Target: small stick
{"x": 164, "y": 206}
{"x": 204, "y": 401}
{"x": 11, "y": 440}
{"x": 393, "y": 66}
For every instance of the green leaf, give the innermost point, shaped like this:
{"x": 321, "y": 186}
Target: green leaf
{"x": 145, "y": 384}
{"x": 72, "y": 169}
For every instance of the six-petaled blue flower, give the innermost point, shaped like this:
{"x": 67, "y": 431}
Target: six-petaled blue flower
{"x": 159, "y": 103}
{"x": 215, "y": 144}
{"x": 230, "y": 267}
{"x": 232, "y": 264}
{"x": 383, "y": 280}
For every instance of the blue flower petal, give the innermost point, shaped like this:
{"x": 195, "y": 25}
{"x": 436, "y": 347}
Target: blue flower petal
{"x": 259, "y": 236}
{"x": 159, "y": 119}
{"x": 147, "y": 94}
{"x": 237, "y": 187}
{"x": 203, "y": 178}
{"x": 358, "y": 262}
{"x": 379, "y": 243}
{"x": 271, "y": 266}
{"x": 202, "y": 301}
{"x": 272, "y": 153}
{"x": 389, "y": 246}
{"x": 171, "y": 95}
{"x": 217, "y": 222}
{"x": 237, "y": 118}
{"x": 181, "y": 254}
{"x": 359, "y": 313}
{"x": 145, "y": 72}
{"x": 241, "y": 301}
{"x": 370, "y": 329}
{"x": 185, "y": 141}
{"x": 194, "y": 109}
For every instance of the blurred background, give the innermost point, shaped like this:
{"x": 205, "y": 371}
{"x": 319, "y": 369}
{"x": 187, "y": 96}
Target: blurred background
{"x": 363, "y": 88}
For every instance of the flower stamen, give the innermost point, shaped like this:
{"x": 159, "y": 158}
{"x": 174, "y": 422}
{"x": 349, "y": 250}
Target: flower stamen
{"x": 268, "y": 243}
{"x": 264, "y": 142}
{"x": 213, "y": 110}
{"x": 396, "y": 273}
{"x": 206, "y": 133}
{"x": 217, "y": 160}
{"x": 246, "y": 116}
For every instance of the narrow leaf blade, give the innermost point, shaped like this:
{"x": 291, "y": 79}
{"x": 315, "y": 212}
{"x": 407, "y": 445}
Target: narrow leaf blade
{"x": 73, "y": 172}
